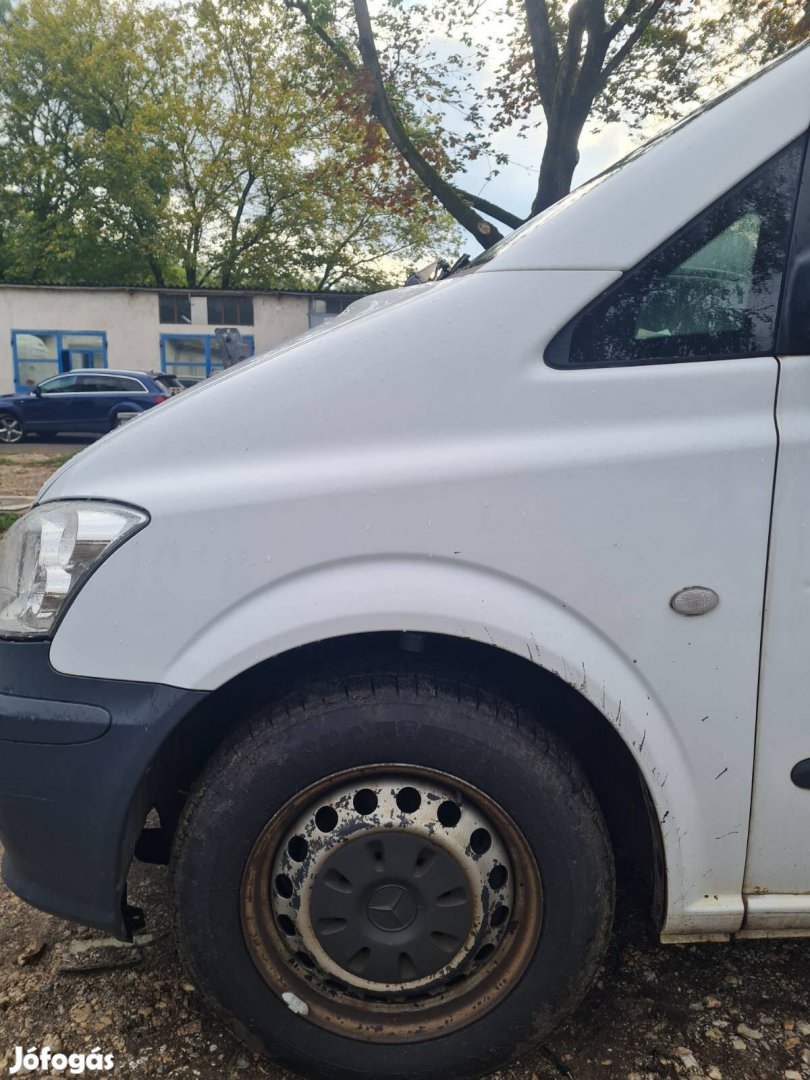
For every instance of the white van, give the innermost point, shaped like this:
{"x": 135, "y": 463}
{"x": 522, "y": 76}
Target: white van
{"x": 408, "y": 628}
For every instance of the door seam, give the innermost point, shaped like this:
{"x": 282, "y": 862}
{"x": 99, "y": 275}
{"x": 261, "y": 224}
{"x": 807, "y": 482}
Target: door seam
{"x": 765, "y": 593}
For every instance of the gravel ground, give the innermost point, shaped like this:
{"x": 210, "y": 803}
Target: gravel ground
{"x": 23, "y": 474}
{"x": 738, "y": 1012}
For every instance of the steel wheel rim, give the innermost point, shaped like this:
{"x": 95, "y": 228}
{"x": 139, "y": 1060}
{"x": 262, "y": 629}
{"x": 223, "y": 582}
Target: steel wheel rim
{"x": 10, "y": 429}
{"x": 456, "y": 937}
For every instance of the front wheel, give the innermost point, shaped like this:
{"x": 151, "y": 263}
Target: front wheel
{"x": 397, "y": 877}
{"x": 11, "y": 428}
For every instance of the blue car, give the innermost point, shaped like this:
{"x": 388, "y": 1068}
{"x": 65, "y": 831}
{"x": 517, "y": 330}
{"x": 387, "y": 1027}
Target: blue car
{"x": 79, "y": 401}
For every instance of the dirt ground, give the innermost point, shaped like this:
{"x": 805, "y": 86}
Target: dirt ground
{"x": 722, "y": 1012}
{"x": 739, "y": 1011}
{"x": 24, "y": 473}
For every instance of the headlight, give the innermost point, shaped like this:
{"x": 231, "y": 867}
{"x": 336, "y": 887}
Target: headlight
{"x": 49, "y": 553}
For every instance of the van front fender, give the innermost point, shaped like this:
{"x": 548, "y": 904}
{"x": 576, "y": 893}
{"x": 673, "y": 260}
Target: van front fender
{"x": 458, "y": 599}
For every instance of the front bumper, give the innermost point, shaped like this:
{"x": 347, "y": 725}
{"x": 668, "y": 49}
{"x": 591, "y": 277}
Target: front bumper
{"x": 77, "y": 779}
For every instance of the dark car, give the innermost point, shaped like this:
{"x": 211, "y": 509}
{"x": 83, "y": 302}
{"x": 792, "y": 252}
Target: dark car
{"x": 79, "y": 401}
{"x": 175, "y": 383}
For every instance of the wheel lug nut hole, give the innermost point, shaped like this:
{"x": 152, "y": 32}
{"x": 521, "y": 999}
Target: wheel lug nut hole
{"x": 449, "y": 814}
{"x": 297, "y": 848}
{"x": 284, "y": 887}
{"x": 286, "y": 924}
{"x": 498, "y": 877}
{"x": 408, "y": 800}
{"x": 365, "y": 801}
{"x": 499, "y": 915}
{"x": 326, "y": 818}
{"x": 480, "y": 841}
{"x": 484, "y": 953}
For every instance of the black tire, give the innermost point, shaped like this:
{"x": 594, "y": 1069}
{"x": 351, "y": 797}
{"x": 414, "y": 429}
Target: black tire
{"x": 413, "y": 721}
{"x": 12, "y": 429}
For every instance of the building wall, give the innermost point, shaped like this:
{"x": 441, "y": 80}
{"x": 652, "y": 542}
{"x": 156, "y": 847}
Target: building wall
{"x": 130, "y": 318}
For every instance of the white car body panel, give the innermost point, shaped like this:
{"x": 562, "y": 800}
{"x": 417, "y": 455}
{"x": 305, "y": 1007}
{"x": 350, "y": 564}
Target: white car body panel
{"x": 779, "y": 851}
{"x": 416, "y": 465}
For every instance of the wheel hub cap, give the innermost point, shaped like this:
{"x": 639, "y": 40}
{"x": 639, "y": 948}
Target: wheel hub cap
{"x": 391, "y": 907}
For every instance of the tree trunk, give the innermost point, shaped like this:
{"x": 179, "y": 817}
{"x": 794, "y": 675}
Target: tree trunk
{"x": 576, "y": 86}
{"x": 157, "y": 272}
{"x": 560, "y": 158}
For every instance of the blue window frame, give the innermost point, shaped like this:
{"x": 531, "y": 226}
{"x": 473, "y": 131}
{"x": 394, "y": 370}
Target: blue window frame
{"x": 38, "y": 354}
{"x": 324, "y": 308}
{"x": 193, "y": 355}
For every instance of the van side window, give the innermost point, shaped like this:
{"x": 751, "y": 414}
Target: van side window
{"x": 711, "y": 292}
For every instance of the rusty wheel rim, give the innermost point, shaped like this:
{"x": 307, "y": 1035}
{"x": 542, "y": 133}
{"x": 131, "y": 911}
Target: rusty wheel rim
{"x": 391, "y": 903}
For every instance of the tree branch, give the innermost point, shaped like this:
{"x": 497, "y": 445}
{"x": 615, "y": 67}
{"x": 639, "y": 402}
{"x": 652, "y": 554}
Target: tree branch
{"x": 491, "y": 209}
{"x": 320, "y": 31}
{"x": 569, "y": 61}
{"x": 545, "y": 54}
{"x": 383, "y": 111}
{"x": 230, "y": 259}
{"x": 645, "y": 18}
{"x": 624, "y": 19}
{"x": 382, "y": 108}
{"x": 587, "y": 81}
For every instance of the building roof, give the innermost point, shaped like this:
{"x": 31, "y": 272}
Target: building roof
{"x": 316, "y": 293}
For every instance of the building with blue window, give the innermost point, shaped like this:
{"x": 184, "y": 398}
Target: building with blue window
{"x": 45, "y": 330}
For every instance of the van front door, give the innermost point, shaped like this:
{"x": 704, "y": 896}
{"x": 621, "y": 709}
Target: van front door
{"x": 777, "y": 878}
{"x": 700, "y": 314}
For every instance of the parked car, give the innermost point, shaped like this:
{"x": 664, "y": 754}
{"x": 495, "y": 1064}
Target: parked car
{"x": 175, "y": 383}
{"x": 79, "y": 401}
{"x": 171, "y": 382}
{"x": 485, "y": 584}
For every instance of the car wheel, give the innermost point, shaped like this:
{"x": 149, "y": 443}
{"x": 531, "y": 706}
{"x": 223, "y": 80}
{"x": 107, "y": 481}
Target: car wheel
{"x": 11, "y": 428}
{"x": 393, "y": 877}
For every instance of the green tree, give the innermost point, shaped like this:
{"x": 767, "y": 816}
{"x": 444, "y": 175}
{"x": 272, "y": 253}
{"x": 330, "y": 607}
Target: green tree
{"x": 190, "y": 145}
{"x": 84, "y": 180}
{"x": 273, "y": 182}
{"x": 558, "y": 66}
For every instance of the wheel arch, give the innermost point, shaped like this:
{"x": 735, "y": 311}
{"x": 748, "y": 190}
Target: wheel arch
{"x": 123, "y": 406}
{"x": 621, "y": 788}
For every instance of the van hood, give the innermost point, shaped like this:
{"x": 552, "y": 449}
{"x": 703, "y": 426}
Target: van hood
{"x": 377, "y": 301}
{"x": 278, "y": 364}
